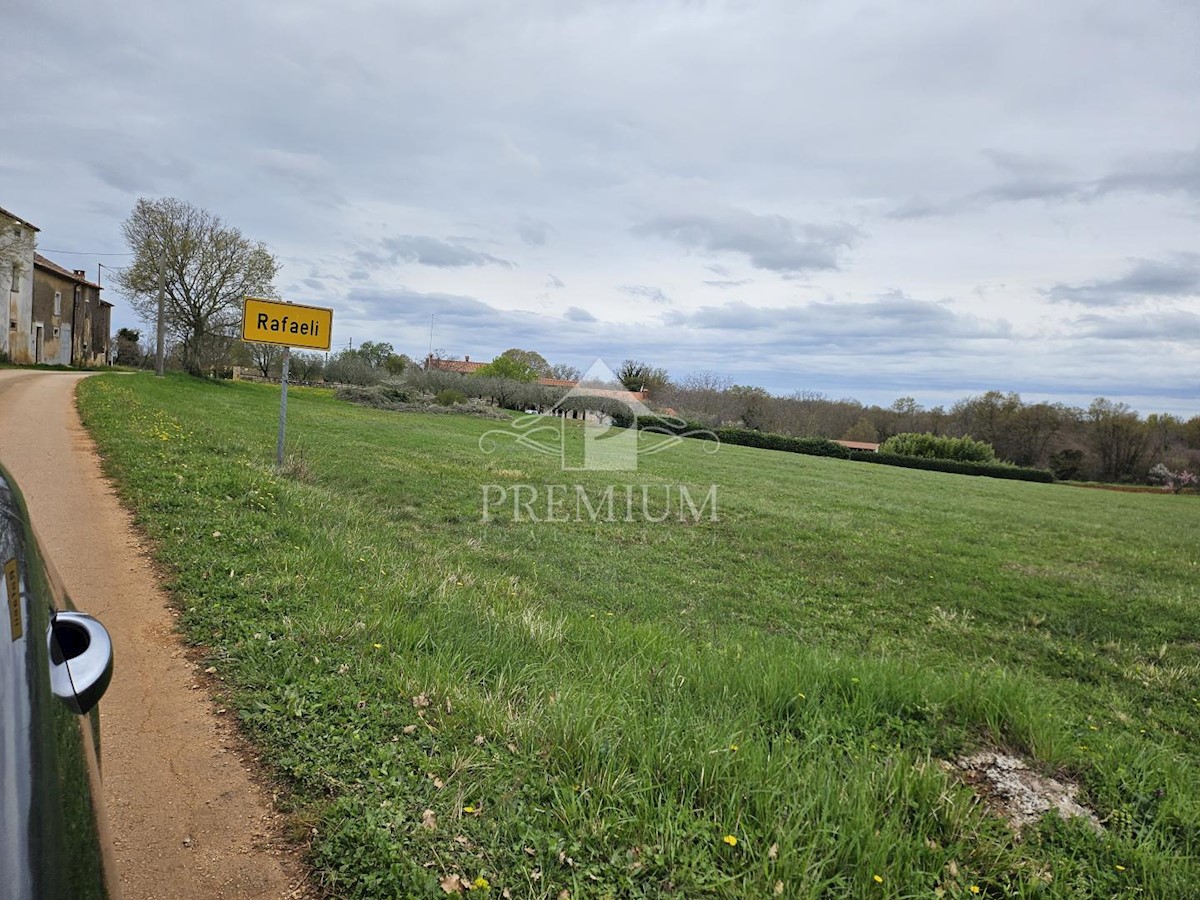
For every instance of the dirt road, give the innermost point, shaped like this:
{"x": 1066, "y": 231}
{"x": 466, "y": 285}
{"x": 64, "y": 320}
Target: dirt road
{"x": 187, "y": 819}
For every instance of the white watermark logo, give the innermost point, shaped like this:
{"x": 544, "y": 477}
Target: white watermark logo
{"x": 609, "y": 503}
{"x": 599, "y": 425}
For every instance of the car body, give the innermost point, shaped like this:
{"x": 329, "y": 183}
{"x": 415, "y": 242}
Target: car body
{"x": 55, "y": 663}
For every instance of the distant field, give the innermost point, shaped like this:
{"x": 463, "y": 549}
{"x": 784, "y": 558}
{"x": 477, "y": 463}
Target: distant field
{"x": 751, "y": 707}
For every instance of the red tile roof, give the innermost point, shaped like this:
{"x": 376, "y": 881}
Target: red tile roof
{"x": 462, "y": 366}
{"x": 859, "y": 445}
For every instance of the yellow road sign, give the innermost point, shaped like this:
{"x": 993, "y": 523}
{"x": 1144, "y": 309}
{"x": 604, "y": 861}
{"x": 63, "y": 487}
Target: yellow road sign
{"x": 287, "y": 324}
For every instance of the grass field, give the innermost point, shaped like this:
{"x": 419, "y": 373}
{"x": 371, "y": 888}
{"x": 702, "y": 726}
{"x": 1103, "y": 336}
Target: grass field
{"x": 750, "y": 707}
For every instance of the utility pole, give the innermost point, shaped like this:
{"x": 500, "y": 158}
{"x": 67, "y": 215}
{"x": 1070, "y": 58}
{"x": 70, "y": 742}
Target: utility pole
{"x": 162, "y": 325}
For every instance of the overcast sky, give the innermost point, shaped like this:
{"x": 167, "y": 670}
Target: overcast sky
{"x": 863, "y": 199}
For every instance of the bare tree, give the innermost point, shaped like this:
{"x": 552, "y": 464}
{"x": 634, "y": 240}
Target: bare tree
{"x": 265, "y": 357}
{"x": 1118, "y": 438}
{"x": 210, "y": 268}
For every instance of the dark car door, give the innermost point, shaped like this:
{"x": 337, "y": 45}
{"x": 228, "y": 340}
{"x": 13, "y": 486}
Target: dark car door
{"x": 54, "y": 664}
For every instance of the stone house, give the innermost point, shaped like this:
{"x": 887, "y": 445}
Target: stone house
{"x": 71, "y": 323}
{"x": 17, "y": 336}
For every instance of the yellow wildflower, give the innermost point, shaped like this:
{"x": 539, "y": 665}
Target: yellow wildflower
{"x": 480, "y": 884}
{"x": 878, "y": 878}
{"x": 730, "y": 840}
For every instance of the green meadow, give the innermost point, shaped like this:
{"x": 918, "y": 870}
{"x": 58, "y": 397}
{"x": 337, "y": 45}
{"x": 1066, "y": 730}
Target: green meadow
{"x": 755, "y": 706}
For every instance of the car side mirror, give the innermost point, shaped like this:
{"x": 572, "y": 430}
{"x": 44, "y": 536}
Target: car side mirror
{"x": 81, "y": 660}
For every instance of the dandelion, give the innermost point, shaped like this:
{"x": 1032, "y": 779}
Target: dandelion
{"x": 1120, "y": 868}
{"x": 480, "y": 884}
{"x": 974, "y": 889}
{"x": 733, "y": 748}
{"x": 730, "y": 840}
{"x": 469, "y": 809}
{"x": 878, "y": 878}
{"x": 377, "y": 646}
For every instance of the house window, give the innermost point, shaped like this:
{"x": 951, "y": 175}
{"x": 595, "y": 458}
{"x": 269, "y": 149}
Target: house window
{"x": 58, "y": 303}
{"x": 56, "y": 331}
{"x": 15, "y": 284}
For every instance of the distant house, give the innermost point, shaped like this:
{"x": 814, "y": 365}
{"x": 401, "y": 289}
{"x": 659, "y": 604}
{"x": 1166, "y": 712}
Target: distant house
{"x": 18, "y": 340}
{"x": 461, "y": 366}
{"x": 71, "y": 323}
{"x": 866, "y": 446}
{"x": 464, "y": 366}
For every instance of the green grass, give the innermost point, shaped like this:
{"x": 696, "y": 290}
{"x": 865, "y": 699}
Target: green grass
{"x": 567, "y": 698}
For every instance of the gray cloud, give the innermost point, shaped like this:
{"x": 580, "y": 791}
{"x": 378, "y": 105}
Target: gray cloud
{"x": 645, "y": 292}
{"x": 426, "y": 251}
{"x": 533, "y": 232}
{"x": 1027, "y": 179}
{"x": 553, "y": 281}
{"x": 575, "y": 314}
{"x": 1178, "y": 276}
{"x": 726, "y": 285}
{"x": 770, "y": 242}
{"x": 894, "y": 316}
{"x": 1163, "y": 173}
{"x": 1166, "y": 326}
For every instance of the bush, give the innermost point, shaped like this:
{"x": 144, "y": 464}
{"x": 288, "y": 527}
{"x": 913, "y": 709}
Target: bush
{"x": 450, "y": 397}
{"x": 1067, "y": 464}
{"x": 958, "y": 467}
{"x": 932, "y": 446}
{"x": 350, "y": 368}
{"x": 380, "y": 396}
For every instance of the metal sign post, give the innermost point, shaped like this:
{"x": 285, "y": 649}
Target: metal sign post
{"x": 286, "y": 325}
{"x": 287, "y": 355}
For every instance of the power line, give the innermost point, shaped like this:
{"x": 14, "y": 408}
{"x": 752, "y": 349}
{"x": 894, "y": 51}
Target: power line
{"x": 85, "y": 253}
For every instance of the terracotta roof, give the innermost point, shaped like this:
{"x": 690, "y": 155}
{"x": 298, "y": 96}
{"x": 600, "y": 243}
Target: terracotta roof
{"x": 5, "y": 212}
{"x": 469, "y": 367}
{"x": 859, "y": 445}
{"x": 462, "y": 366}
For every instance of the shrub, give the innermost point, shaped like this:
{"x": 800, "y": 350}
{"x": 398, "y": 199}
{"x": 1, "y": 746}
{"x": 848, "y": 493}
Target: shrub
{"x": 958, "y": 467}
{"x": 1172, "y": 481}
{"x": 380, "y": 396}
{"x": 1067, "y": 464}
{"x": 933, "y": 446}
{"x": 350, "y": 368}
{"x": 450, "y": 397}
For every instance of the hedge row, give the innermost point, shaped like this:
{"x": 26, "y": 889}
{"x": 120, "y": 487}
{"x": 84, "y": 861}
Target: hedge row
{"x": 991, "y": 470}
{"x": 746, "y": 437}
{"x": 742, "y": 437}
